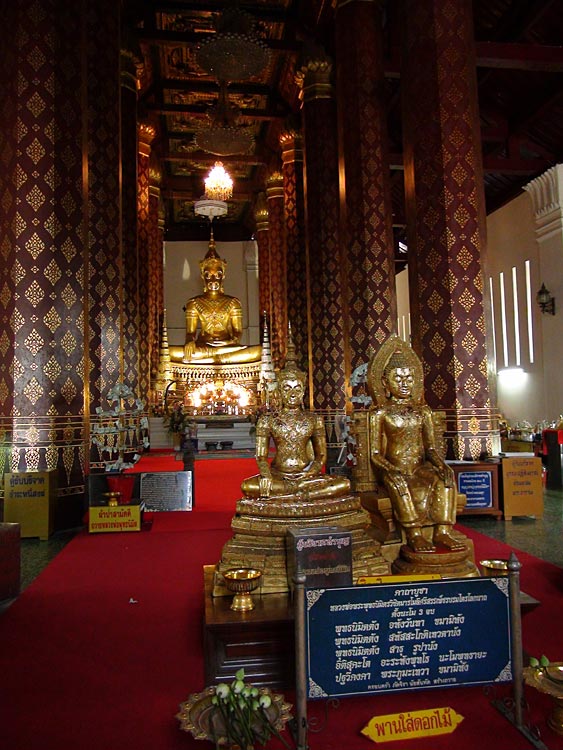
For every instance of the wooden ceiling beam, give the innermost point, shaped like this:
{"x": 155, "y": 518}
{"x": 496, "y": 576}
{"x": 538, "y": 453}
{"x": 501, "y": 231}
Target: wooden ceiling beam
{"x": 516, "y": 56}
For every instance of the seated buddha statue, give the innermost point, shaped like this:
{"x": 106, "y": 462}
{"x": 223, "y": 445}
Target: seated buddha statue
{"x": 300, "y": 441}
{"x": 214, "y": 320}
{"x": 403, "y": 451}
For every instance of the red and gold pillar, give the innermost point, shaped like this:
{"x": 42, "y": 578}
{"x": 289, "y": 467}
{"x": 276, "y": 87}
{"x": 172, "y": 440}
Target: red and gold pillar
{"x": 146, "y": 137}
{"x": 296, "y": 272}
{"x": 327, "y": 340}
{"x": 262, "y": 240}
{"x": 278, "y": 284}
{"x": 60, "y": 235}
{"x": 446, "y": 220}
{"x": 156, "y": 285}
{"x": 366, "y": 211}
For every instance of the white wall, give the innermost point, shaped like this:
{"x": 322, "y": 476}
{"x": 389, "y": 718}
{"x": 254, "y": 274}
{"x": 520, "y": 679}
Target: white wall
{"x": 518, "y": 332}
{"x": 182, "y": 280}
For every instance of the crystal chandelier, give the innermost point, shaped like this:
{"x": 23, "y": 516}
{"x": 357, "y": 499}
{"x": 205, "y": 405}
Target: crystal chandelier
{"x": 218, "y": 189}
{"x": 234, "y": 52}
{"x": 218, "y": 184}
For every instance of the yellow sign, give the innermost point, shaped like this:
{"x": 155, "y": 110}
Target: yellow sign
{"x": 117, "y": 518}
{"x": 29, "y": 499}
{"x": 428, "y": 723}
{"x": 365, "y": 580}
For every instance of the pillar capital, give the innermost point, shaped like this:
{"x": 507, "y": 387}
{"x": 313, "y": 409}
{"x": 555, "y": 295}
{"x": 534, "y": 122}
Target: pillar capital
{"x": 261, "y": 213}
{"x": 146, "y": 134}
{"x": 291, "y": 143}
{"x": 274, "y": 185}
{"x": 313, "y": 78}
{"x": 546, "y": 192}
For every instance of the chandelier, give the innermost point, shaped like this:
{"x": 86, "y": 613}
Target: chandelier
{"x": 234, "y": 52}
{"x": 218, "y": 184}
{"x": 222, "y": 136}
{"x": 218, "y": 189}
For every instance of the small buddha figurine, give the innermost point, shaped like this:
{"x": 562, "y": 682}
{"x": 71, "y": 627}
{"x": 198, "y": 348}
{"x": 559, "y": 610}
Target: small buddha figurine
{"x": 300, "y": 440}
{"x": 214, "y": 320}
{"x": 420, "y": 484}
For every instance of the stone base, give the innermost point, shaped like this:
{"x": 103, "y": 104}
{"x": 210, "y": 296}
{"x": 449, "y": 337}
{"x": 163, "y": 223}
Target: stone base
{"x": 260, "y": 529}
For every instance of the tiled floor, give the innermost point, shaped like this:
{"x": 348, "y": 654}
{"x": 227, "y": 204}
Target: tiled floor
{"x": 542, "y": 537}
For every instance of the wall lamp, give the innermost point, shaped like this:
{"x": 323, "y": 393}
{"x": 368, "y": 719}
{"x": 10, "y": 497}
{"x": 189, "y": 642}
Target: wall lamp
{"x": 545, "y": 300}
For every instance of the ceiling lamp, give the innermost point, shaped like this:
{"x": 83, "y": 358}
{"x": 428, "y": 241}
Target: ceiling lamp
{"x": 223, "y": 137}
{"x": 218, "y": 189}
{"x": 218, "y": 184}
{"x": 234, "y": 52}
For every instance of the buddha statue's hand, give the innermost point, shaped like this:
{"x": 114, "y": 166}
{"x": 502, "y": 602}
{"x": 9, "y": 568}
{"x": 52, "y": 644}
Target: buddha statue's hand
{"x": 265, "y": 486}
{"x": 398, "y": 479}
{"x": 189, "y": 350}
{"x": 446, "y": 474}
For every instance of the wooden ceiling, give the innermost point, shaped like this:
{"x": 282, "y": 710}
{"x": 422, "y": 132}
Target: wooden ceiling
{"x": 520, "y": 85}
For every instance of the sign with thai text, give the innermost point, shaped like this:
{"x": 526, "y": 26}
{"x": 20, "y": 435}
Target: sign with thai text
{"x": 114, "y": 518}
{"x": 477, "y": 486}
{"x": 167, "y": 490}
{"x": 395, "y": 637}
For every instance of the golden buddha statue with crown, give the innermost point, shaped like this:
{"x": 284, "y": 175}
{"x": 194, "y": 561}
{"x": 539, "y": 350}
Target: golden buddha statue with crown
{"x": 293, "y": 491}
{"x": 214, "y": 320}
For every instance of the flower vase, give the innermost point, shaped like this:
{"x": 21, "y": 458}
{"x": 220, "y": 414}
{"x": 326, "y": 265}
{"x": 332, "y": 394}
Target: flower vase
{"x": 177, "y": 441}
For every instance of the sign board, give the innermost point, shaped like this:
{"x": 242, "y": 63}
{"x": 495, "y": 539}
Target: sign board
{"x": 108, "y": 518}
{"x": 29, "y": 499}
{"x": 477, "y": 486}
{"x": 167, "y": 490}
{"x": 322, "y": 554}
{"x": 407, "y": 636}
{"x": 522, "y": 489}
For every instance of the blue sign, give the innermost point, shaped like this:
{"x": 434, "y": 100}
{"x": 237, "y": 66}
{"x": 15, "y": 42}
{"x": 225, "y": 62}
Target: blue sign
{"x": 395, "y": 637}
{"x": 477, "y": 486}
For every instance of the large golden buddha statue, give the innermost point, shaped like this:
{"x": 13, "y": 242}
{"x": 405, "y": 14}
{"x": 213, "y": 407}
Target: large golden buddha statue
{"x": 214, "y": 320}
{"x": 403, "y": 450}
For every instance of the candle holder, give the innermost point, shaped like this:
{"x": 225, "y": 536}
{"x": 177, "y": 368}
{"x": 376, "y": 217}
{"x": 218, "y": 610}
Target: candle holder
{"x": 242, "y": 581}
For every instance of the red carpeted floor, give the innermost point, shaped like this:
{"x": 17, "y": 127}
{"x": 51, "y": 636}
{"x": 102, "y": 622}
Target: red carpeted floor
{"x": 99, "y": 651}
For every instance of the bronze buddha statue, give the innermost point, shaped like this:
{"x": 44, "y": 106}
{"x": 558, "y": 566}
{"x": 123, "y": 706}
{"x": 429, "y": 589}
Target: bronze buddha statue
{"x": 214, "y": 320}
{"x": 403, "y": 450}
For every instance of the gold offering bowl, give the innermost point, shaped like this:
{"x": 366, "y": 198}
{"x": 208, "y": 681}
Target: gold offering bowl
{"x": 493, "y": 568}
{"x": 113, "y": 497}
{"x": 242, "y": 581}
{"x": 549, "y": 680}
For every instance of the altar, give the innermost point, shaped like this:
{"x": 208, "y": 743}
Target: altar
{"x": 224, "y": 432}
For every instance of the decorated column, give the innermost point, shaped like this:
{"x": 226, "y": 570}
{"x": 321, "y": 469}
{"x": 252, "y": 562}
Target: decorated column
{"x": 60, "y": 241}
{"x": 156, "y": 273}
{"x": 328, "y": 349}
{"x": 278, "y": 284}
{"x": 262, "y": 240}
{"x": 145, "y": 242}
{"x": 365, "y": 189}
{"x": 296, "y": 260}
{"x": 446, "y": 220}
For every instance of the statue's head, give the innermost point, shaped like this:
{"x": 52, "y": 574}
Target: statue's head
{"x": 395, "y": 371}
{"x": 291, "y": 380}
{"x": 397, "y": 377}
{"x": 212, "y": 269}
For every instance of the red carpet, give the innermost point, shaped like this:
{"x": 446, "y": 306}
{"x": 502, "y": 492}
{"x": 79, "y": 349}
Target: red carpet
{"x": 99, "y": 651}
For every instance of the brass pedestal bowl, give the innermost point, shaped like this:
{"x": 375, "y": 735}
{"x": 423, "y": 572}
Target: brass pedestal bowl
{"x": 242, "y": 581}
{"x": 492, "y": 568}
{"x": 549, "y": 680}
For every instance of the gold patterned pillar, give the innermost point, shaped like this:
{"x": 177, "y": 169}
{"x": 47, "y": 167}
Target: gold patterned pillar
{"x": 156, "y": 280}
{"x": 60, "y": 242}
{"x": 129, "y": 267}
{"x": 328, "y": 350}
{"x": 366, "y": 210}
{"x": 262, "y": 239}
{"x": 291, "y": 143}
{"x": 446, "y": 220}
{"x": 146, "y": 134}
{"x": 278, "y": 284}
